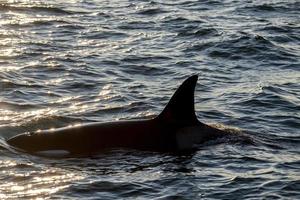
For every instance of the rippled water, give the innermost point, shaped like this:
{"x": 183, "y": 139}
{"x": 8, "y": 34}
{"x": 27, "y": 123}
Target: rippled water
{"x": 70, "y": 62}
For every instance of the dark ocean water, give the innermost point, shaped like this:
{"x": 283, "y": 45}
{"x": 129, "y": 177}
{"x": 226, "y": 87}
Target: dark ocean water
{"x": 70, "y": 62}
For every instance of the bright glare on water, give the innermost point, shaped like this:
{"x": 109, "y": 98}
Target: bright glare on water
{"x": 65, "y": 63}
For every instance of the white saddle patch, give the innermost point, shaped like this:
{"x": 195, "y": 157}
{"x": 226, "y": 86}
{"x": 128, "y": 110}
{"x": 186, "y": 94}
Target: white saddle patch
{"x": 53, "y": 153}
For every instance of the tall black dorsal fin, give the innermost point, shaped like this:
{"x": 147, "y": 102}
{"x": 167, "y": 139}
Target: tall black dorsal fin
{"x": 181, "y": 105}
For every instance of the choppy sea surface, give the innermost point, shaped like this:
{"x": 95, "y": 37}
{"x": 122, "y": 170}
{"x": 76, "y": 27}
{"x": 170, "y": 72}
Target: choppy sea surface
{"x": 70, "y": 62}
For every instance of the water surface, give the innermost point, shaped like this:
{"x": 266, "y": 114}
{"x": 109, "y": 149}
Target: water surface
{"x": 70, "y": 62}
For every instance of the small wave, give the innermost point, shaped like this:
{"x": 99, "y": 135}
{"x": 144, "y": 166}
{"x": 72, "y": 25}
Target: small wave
{"x": 287, "y": 188}
{"x": 254, "y": 47}
{"x": 198, "y": 32}
{"x": 292, "y": 188}
{"x": 282, "y": 34}
{"x": 151, "y": 11}
{"x": 137, "y": 24}
{"x": 16, "y": 106}
{"x": 175, "y": 20}
{"x": 145, "y": 58}
{"x": 39, "y": 23}
{"x": 266, "y": 8}
{"x": 106, "y": 35}
{"x": 293, "y": 165}
{"x": 47, "y": 122}
{"x": 104, "y": 15}
{"x": 275, "y": 29}
{"x": 200, "y": 46}
{"x": 246, "y": 44}
{"x": 12, "y": 82}
{"x": 78, "y": 85}
{"x": 266, "y": 100}
{"x": 142, "y": 70}
{"x": 16, "y": 25}
{"x": 46, "y": 9}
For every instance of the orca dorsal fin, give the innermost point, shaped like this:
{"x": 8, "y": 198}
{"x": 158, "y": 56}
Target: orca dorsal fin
{"x": 181, "y": 105}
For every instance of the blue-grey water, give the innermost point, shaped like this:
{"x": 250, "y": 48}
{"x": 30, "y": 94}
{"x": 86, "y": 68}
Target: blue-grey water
{"x": 69, "y": 62}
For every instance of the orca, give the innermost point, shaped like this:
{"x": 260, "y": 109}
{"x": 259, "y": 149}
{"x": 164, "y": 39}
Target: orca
{"x": 176, "y": 128}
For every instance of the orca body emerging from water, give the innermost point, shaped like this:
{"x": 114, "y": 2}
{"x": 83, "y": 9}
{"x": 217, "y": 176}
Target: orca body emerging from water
{"x": 175, "y": 129}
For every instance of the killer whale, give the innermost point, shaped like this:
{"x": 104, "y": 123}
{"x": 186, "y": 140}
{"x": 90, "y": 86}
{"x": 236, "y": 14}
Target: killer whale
{"x": 176, "y": 128}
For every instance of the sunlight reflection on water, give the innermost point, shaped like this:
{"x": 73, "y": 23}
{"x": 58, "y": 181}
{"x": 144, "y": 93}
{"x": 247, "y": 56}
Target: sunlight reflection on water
{"x": 26, "y": 183}
{"x": 64, "y": 63}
